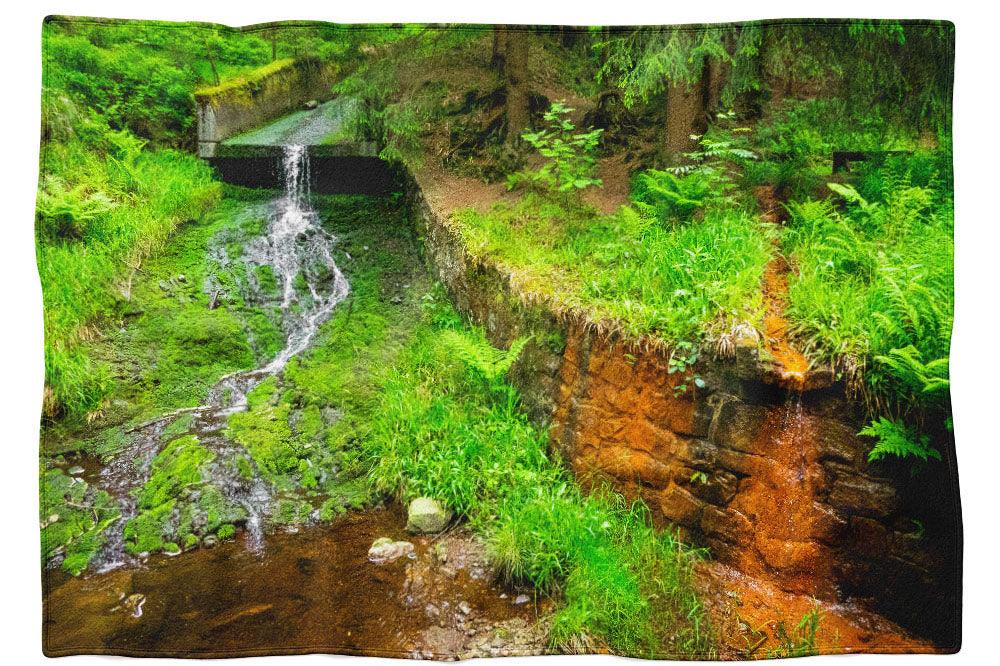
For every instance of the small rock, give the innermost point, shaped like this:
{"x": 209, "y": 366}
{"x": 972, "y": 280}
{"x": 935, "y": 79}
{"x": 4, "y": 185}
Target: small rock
{"x": 311, "y": 104}
{"x": 75, "y": 470}
{"x": 426, "y": 515}
{"x": 464, "y": 608}
{"x": 384, "y": 550}
{"x": 521, "y": 599}
{"x": 182, "y": 278}
{"x": 210, "y": 541}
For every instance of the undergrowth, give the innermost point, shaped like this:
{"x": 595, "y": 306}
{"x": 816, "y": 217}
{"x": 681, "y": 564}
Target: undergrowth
{"x": 444, "y": 428}
{"x": 630, "y": 271}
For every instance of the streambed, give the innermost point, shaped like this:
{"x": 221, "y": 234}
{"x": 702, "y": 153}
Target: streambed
{"x": 310, "y": 591}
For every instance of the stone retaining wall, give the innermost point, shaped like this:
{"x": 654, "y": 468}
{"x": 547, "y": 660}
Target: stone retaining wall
{"x": 775, "y": 482}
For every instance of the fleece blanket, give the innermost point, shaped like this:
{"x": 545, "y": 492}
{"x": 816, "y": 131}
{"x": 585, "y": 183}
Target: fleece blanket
{"x": 453, "y": 341}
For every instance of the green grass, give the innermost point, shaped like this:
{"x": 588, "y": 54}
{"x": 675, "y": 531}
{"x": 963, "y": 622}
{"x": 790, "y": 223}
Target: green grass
{"x": 875, "y": 274}
{"x": 88, "y": 257}
{"x": 443, "y": 429}
{"x": 626, "y": 270}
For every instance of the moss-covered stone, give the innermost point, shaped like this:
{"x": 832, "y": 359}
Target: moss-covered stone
{"x": 74, "y": 518}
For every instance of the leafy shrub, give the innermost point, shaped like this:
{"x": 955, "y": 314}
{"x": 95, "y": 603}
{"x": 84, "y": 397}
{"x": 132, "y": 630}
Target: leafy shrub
{"x": 571, "y": 155}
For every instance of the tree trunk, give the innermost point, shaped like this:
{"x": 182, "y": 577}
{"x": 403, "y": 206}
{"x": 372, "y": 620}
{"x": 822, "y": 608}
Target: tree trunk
{"x": 685, "y": 116}
{"x": 510, "y": 60}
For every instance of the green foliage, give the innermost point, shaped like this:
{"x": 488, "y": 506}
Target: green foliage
{"x": 670, "y": 198}
{"x": 874, "y": 295}
{"x": 490, "y": 363}
{"x": 102, "y": 210}
{"x": 896, "y": 439}
{"x": 644, "y": 61}
{"x": 570, "y": 154}
{"x": 873, "y": 281}
{"x": 435, "y": 432}
{"x": 627, "y": 270}
{"x": 74, "y": 518}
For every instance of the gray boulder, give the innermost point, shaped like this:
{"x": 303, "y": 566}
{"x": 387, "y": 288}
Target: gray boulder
{"x": 427, "y": 516}
{"x": 385, "y": 550}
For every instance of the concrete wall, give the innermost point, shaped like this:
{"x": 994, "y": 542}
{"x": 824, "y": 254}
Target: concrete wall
{"x": 774, "y": 481}
{"x": 258, "y": 98}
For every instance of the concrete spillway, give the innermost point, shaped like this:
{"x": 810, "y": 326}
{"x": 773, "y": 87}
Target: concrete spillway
{"x": 340, "y": 165}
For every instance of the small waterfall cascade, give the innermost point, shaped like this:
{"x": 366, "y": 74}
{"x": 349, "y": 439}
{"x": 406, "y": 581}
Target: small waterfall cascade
{"x": 298, "y": 250}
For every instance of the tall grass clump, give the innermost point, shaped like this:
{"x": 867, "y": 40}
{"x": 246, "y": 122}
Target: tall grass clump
{"x": 446, "y": 428}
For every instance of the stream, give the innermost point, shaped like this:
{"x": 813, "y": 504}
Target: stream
{"x": 300, "y": 590}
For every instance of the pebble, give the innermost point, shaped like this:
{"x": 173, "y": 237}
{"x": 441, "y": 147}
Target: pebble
{"x": 75, "y": 470}
{"x": 521, "y": 599}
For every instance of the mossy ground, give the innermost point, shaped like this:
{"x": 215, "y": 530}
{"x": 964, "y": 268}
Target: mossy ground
{"x": 73, "y": 516}
{"x": 300, "y": 427}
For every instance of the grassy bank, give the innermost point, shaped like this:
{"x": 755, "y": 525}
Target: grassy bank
{"x": 447, "y": 425}
{"x": 630, "y": 271}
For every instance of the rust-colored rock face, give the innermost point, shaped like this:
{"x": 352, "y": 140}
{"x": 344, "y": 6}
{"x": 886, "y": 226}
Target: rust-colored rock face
{"x": 743, "y": 478}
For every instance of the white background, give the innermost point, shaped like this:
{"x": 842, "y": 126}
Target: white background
{"x": 975, "y": 371}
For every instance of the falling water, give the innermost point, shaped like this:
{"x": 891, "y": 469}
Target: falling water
{"x": 297, "y": 249}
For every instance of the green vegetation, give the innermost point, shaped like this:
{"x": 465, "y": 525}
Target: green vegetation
{"x": 177, "y": 506}
{"x": 628, "y": 271}
{"x": 105, "y": 205}
{"x": 445, "y": 428}
{"x": 571, "y": 159}
{"x": 874, "y": 293}
{"x": 74, "y": 516}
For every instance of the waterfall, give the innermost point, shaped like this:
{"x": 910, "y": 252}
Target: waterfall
{"x": 298, "y": 250}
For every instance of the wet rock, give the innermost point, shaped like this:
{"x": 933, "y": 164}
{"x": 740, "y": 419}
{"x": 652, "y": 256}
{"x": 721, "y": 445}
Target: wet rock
{"x": 863, "y": 495}
{"x": 464, "y": 608}
{"x": 131, "y": 604}
{"x": 210, "y": 541}
{"x": 521, "y": 599}
{"x": 426, "y": 515}
{"x": 311, "y": 104}
{"x": 680, "y": 506}
{"x": 76, "y": 470}
{"x": 384, "y": 550}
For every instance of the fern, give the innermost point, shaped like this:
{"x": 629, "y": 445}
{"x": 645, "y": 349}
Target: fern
{"x": 478, "y": 355}
{"x": 895, "y": 439}
{"x": 927, "y": 380}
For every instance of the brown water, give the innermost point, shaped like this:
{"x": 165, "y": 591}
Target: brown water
{"x": 312, "y": 591}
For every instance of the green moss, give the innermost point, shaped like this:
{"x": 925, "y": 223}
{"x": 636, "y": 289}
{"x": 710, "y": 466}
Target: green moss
{"x": 347, "y": 495}
{"x": 243, "y": 83}
{"x": 180, "y": 465}
{"x": 291, "y": 511}
{"x": 266, "y": 280}
{"x": 149, "y": 531}
{"x": 74, "y": 518}
{"x": 226, "y": 531}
